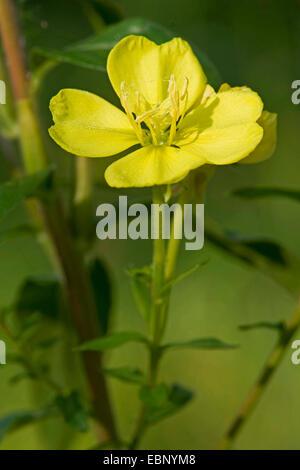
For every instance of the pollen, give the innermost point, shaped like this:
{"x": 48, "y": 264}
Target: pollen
{"x": 156, "y": 124}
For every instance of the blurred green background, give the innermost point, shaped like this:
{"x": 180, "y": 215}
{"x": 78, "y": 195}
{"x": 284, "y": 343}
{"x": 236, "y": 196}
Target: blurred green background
{"x": 254, "y": 43}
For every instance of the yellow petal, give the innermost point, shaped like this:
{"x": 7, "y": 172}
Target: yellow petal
{"x": 151, "y": 165}
{"x": 146, "y": 68}
{"x": 89, "y": 126}
{"x": 208, "y": 93}
{"x": 226, "y": 108}
{"x": 224, "y": 87}
{"x": 224, "y": 146}
{"x": 264, "y": 150}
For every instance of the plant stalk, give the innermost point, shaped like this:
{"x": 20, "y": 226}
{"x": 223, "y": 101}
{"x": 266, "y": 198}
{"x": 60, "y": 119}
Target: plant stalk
{"x": 79, "y": 291}
{"x": 163, "y": 266}
{"x": 269, "y": 369}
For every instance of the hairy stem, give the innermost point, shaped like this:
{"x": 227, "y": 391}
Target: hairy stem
{"x": 163, "y": 266}
{"x": 158, "y": 265}
{"x": 263, "y": 381}
{"x": 83, "y": 198}
{"x": 12, "y": 44}
{"x": 77, "y": 282}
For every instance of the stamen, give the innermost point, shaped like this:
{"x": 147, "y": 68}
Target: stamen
{"x": 125, "y": 104}
{"x": 147, "y": 115}
{"x": 174, "y": 96}
{"x": 153, "y": 134}
{"x": 169, "y": 113}
{"x": 174, "y": 101}
{"x": 184, "y": 96}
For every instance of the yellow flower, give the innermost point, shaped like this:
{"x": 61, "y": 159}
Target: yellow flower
{"x": 178, "y": 121}
{"x": 266, "y": 147}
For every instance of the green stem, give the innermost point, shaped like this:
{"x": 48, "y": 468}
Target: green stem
{"x": 270, "y": 367}
{"x": 158, "y": 266}
{"x": 83, "y": 198}
{"x": 163, "y": 264}
{"x": 174, "y": 243}
{"x": 33, "y": 152}
{"x": 77, "y": 283}
{"x": 8, "y": 124}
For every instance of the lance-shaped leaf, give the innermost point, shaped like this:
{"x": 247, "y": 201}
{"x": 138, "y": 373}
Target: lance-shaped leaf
{"x": 73, "y": 411}
{"x": 126, "y": 374}
{"x": 266, "y": 256}
{"x": 15, "y": 191}
{"x": 40, "y": 295}
{"x": 140, "y": 283}
{"x": 92, "y": 52}
{"x": 17, "y": 420}
{"x": 102, "y": 290}
{"x": 162, "y": 401}
{"x": 112, "y": 341}
{"x": 199, "y": 343}
{"x": 183, "y": 275}
{"x": 263, "y": 192}
{"x": 277, "y": 326}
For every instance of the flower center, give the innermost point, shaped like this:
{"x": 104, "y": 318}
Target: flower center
{"x": 156, "y": 124}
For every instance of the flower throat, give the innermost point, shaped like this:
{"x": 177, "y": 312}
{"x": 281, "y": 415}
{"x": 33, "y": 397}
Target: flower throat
{"x": 156, "y": 126}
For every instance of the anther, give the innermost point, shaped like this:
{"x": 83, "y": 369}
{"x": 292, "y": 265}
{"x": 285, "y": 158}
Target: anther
{"x": 124, "y": 101}
{"x": 185, "y": 96}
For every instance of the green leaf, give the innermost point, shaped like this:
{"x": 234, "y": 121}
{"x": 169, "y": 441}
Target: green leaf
{"x": 126, "y": 374}
{"x": 267, "y": 256}
{"x": 269, "y": 249}
{"x": 14, "y": 421}
{"x": 15, "y": 191}
{"x": 140, "y": 283}
{"x": 183, "y": 275}
{"x": 92, "y": 52}
{"x": 142, "y": 297}
{"x": 39, "y": 295}
{"x": 262, "y": 192}
{"x": 154, "y": 397}
{"x": 200, "y": 343}
{"x": 144, "y": 273}
{"x": 73, "y": 412}
{"x": 102, "y": 290}
{"x": 279, "y": 326}
{"x": 162, "y": 401}
{"x": 112, "y": 341}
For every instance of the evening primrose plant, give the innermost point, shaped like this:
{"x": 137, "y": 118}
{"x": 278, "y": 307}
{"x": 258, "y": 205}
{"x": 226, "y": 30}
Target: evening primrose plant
{"x": 174, "y": 126}
{"x": 179, "y": 122}
{"x": 176, "y": 129}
